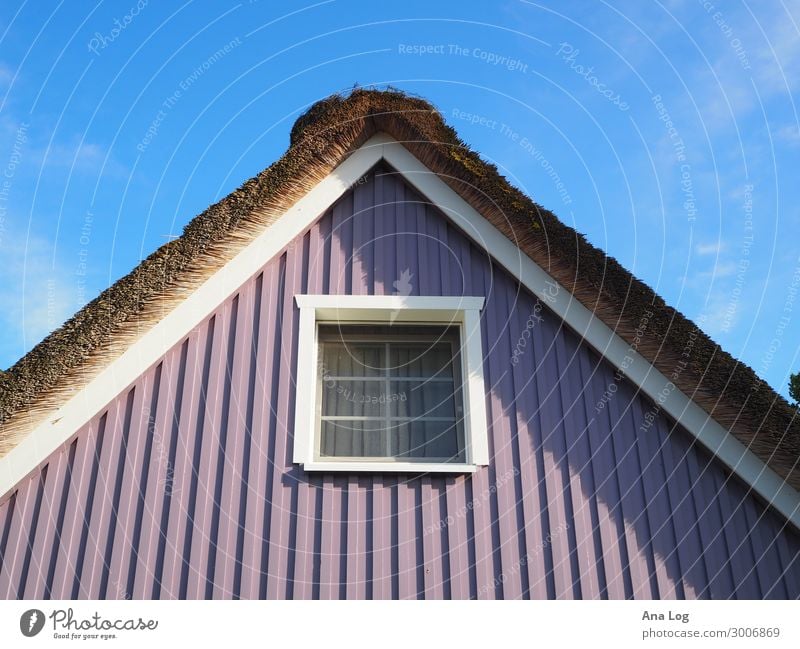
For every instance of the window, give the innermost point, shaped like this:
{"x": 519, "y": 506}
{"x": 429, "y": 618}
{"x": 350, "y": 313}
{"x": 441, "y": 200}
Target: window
{"x": 397, "y": 384}
{"x": 390, "y": 392}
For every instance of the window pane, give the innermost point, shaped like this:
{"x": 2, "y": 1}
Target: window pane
{"x": 352, "y": 359}
{"x": 421, "y": 359}
{"x": 423, "y": 399}
{"x": 346, "y": 398}
{"x": 353, "y": 439}
{"x": 426, "y": 439}
{"x": 390, "y": 392}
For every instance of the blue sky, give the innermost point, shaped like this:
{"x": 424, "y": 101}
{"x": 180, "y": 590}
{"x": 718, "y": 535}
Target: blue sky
{"x": 667, "y": 132}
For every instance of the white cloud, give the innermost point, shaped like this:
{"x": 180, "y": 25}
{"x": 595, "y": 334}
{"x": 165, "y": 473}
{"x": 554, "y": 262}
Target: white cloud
{"x": 763, "y": 51}
{"x": 788, "y": 135}
{"x": 63, "y": 154}
{"x": 723, "y": 269}
{"x": 80, "y": 157}
{"x": 6, "y": 75}
{"x": 80, "y": 154}
{"x": 715, "y": 319}
{"x": 701, "y": 281}
{"x": 709, "y": 248}
{"x": 721, "y": 313}
{"x": 777, "y": 58}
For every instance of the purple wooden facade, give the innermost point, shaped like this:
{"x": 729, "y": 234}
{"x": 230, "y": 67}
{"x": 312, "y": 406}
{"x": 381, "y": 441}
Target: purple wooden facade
{"x": 184, "y": 486}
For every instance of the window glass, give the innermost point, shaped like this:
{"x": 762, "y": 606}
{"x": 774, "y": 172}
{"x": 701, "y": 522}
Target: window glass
{"x": 390, "y": 392}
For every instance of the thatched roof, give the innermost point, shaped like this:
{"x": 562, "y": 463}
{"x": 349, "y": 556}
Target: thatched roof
{"x": 320, "y": 139}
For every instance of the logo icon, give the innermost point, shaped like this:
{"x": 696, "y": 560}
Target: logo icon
{"x": 31, "y": 622}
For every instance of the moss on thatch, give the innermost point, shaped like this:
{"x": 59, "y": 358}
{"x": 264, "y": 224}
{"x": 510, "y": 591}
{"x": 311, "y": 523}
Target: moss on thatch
{"x": 320, "y": 139}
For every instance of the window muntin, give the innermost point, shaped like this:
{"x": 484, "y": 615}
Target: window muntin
{"x": 390, "y": 393}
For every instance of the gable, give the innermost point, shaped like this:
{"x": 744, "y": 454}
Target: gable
{"x": 748, "y": 415}
{"x": 187, "y": 486}
{"x": 193, "y": 309}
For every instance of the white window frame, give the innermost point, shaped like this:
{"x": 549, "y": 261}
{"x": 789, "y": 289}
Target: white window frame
{"x": 461, "y": 312}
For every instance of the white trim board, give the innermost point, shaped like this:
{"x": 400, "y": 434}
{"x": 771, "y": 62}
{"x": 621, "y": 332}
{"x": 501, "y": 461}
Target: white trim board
{"x": 461, "y": 311}
{"x": 388, "y": 467}
{"x": 124, "y": 370}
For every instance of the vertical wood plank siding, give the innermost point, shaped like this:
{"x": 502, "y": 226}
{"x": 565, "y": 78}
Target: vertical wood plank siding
{"x": 183, "y": 487}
